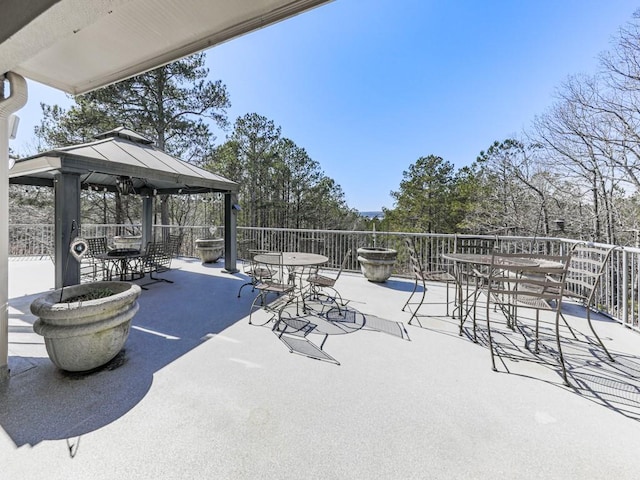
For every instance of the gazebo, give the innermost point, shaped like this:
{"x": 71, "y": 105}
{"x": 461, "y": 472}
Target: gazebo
{"x": 80, "y": 46}
{"x": 118, "y": 160}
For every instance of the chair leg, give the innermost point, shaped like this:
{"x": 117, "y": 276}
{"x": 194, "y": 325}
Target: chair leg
{"x": 419, "y": 305}
{"x": 596, "y": 335}
{"x": 493, "y": 361}
{"x": 447, "y": 307}
{"x": 316, "y": 292}
{"x": 568, "y": 326}
{"x": 261, "y": 296}
{"x": 337, "y": 298}
{"x": 564, "y": 368}
{"x": 476, "y": 294}
{"x": 599, "y": 340}
{"x": 536, "y": 349}
{"x": 246, "y": 285}
{"x": 415, "y": 288}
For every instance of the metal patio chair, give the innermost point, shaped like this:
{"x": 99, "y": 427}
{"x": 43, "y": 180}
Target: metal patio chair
{"x": 510, "y": 288}
{"x": 321, "y": 284}
{"x": 586, "y": 269}
{"x": 157, "y": 259}
{"x": 92, "y": 267}
{"x": 472, "y": 277}
{"x": 421, "y": 276}
{"x": 272, "y": 284}
{"x": 255, "y": 271}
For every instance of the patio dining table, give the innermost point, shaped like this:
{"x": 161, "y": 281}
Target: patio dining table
{"x": 476, "y": 265}
{"x": 123, "y": 264}
{"x": 293, "y": 261}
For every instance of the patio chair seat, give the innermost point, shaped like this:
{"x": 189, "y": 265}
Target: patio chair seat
{"x": 321, "y": 280}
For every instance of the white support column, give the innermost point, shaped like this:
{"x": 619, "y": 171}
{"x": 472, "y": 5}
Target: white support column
{"x": 8, "y": 104}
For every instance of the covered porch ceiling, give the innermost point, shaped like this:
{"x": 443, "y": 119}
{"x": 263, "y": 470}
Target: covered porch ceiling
{"x": 77, "y": 46}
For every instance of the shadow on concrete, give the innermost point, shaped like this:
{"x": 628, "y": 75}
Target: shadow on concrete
{"x": 614, "y": 385}
{"x": 41, "y": 402}
{"x": 401, "y": 286}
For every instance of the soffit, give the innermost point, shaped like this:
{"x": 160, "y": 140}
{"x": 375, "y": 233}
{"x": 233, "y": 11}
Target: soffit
{"x": 78, "y": 45}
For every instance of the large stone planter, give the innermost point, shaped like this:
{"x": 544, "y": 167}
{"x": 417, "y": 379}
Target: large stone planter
{"x": 210, "y": 249}
{"x": 377, "y": 263}
{"x": 128, "y": 242}
{"x": 84, "y": 335}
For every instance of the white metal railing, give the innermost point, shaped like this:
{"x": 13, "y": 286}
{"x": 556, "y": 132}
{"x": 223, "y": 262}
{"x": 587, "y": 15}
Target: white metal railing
{"x": 618, "y": 293}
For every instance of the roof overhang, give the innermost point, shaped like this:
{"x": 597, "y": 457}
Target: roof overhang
{"x": 78, "y": 45}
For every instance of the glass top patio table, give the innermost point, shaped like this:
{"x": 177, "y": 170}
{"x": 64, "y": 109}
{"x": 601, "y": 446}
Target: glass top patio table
{"x": 474, "y": 265}
{"x": 485, "y": 259}
{"x": 291, "y": 259}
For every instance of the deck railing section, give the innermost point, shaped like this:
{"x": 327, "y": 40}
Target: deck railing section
{"x": 618, "y": 293}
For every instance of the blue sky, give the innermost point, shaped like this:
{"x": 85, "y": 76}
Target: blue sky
{"x": 369, "y": 86}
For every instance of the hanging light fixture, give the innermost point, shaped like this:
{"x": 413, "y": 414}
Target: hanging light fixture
{"x": 124, "y": 185}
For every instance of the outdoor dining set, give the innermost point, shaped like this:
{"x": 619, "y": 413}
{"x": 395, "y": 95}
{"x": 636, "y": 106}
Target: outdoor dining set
{"x": 307, "y": 301}
{"x": 300, "y": 303}
{"x": 486, "y": 284}
{"x": 510, "y": 282}
{"x": 124, "y": 260}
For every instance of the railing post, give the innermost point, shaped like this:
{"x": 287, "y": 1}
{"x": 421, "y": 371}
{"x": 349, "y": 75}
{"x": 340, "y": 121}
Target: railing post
{"x": 625, "y": 288}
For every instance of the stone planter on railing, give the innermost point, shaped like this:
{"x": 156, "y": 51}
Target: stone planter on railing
{"x": 210, "y": 249}
{"x": 377, "y": 263}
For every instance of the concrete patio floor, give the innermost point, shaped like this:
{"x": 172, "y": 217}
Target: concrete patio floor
{"x": 200, "y": 393}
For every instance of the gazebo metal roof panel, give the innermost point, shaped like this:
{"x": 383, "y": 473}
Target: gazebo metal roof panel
{"x": 100, "y": 163}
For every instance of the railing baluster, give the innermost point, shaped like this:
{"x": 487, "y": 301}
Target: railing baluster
{"x": 619, "y": 294}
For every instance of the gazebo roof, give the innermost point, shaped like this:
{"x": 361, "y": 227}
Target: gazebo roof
{"x": 115, "y": 157}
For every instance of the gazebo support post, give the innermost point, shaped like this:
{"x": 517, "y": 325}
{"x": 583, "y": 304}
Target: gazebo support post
{"x": 66, "y": 187}
{"x": 230, "y": 232}
{"x": 14, "y": 102}
{"x": 147, "y": 220}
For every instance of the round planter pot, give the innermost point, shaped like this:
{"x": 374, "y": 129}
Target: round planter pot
{"x": 377, "y": 263}
{"x": 84, "y": 335}
{"x": 210, "y": 249}
{"x": 127, "y": 242}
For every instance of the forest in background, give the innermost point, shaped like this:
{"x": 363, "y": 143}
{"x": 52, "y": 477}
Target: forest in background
{"x": 575, "y": 172}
